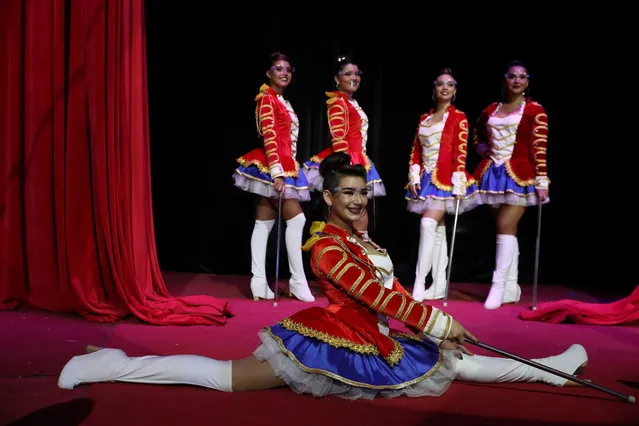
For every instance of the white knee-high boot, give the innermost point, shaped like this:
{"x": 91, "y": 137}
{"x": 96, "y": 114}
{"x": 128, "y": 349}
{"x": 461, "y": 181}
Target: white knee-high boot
{"x": 297, "y": 285}
{"x": 512, "y": 290}
{"x": 113, "y": 365}
{"x": 478, "y": 368}
{"x": 427, "y": 232}
{"x": 440, "y": 261}
{"x": 259, "y": 241}
{"x": 506, "y": 246}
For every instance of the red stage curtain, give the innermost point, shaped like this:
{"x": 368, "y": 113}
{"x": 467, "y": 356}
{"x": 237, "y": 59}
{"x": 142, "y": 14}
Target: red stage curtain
{"x": 75, "y": 210}
{"x": 623, "y": 311}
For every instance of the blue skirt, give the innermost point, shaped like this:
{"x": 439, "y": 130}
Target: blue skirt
{"x": 253, "y": 180}
{"x": 431, "y": 197}
{"x": 316, "y": 181}
{"x": 309, "y": 365}
{"x": 497, "y": 187}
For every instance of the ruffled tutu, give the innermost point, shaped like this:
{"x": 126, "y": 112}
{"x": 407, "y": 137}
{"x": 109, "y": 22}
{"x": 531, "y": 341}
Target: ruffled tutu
{"x": 431, "y": 197}
{"x": 497, "y": 187}
{"x": 316, "y": 181}
{"x": 250, "y": 177}
{"x": 308, "y": 365}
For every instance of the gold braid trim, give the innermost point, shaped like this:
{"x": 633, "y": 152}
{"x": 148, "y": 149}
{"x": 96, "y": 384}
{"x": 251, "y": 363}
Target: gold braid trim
{"x": 518, "y": 181}
{"x": 434, "y": 178}
{"x": 316, "y": 159}
{"x": 402, "y": 335}
{"x": 345, "y": 249}
{"x": 348, "y": 381}
{"x": 463, "y": 151}
{"x": 267, "y": 182}
{"x": 540, "y": 143}
{"x": 263, "y": 169}
{"x": 339, "y": 342}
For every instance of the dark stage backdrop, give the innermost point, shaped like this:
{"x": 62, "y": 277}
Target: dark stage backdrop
{"x": 205, "y": 70}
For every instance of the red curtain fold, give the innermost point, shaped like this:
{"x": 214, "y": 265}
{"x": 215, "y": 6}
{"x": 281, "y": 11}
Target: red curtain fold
{"x": 76, "y": 214}
{"x": 623, "y": 311}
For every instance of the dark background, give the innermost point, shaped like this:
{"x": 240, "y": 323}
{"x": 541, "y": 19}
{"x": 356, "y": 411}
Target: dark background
{"x": 205, "y": 68}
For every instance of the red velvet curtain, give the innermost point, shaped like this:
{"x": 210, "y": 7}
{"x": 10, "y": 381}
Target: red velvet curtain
{"x": 76, "y": 224}
{"x": 623, "y": 311}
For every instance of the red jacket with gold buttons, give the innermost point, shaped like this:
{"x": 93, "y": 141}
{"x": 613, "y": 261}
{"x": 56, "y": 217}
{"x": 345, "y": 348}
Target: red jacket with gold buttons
{"x": 355, "y": 296}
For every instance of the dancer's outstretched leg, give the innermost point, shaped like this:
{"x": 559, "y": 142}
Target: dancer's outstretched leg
{"x": 106, "y": 365}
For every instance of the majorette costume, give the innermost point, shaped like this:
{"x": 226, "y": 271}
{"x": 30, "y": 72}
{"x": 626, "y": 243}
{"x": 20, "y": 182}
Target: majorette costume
{"x": 348, "y": 125}
{"x": 278, "y": 124}
{"x": 514, "y": 165}
{"x": 345, "y": 349}
{"x": 514, "y": 150}
{"x": 438, "y": 164}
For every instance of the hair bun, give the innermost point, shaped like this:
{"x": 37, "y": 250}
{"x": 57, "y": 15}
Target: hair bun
{"x": 334, "y": 162}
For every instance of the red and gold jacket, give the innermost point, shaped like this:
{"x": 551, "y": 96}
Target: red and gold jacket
{"x": 345, "y": 125}
{"x": 355, "y": 296}
{"x": 527, "y": 165}
{"x": 453, "y": 150}
{"x": 278, "y": 127}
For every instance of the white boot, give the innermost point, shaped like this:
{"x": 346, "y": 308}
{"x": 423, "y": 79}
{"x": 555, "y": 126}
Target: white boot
{"x": 424, "y": 256}
{"x": 478, "y": 368}
{"x": 297, "y": 285}
{"x": 113, "y": 365}
{"x": 440, "y": 261}
{"x": 512, "y": 291}
{"x": 503, "y": 258}
{"x": 259, "y": 241}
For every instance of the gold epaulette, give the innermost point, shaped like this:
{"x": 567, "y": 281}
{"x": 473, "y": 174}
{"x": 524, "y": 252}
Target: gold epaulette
{"x": 332, "y": 98}
{"x": 263, "y": 89}
{"x": 315, "y": 231}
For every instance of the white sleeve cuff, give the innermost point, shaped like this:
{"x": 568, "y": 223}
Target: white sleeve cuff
{"x": 459, "y": 183}
{"x": 435, "y": 340}
{"x": 413, "y": 174}
{"x": 276, "y": 170}
{"x": 542, "y": 182}
{"x": 439, "y": 324}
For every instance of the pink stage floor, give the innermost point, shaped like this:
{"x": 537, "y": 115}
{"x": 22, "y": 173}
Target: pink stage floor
{"x": 35, "y": 345}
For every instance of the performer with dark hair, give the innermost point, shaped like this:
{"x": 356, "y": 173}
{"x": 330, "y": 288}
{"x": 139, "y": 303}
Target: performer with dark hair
{"x": 512, "y": 136}
{"x": 437, "y": 178}
{"x": 344, "y": 349}
{"x": 348, "y": 125}
{"x": 272, "y": 171}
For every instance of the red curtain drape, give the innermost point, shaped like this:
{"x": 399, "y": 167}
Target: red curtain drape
{"x": 75, "y": 209}
{"x": 623, "y": 311}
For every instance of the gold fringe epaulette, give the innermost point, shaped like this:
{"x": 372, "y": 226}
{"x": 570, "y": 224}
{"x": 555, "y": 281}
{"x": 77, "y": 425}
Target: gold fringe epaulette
{"x": 332, "y": 98}
{"x": 316, "y": 229}
{"x": 263, "y": 89}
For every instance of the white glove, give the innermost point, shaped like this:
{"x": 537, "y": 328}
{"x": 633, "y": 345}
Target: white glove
{"x": 413, "y": 174}
{"x": 459, "y": 183}
{"x": 276, "y": 170}
{"x": 542, "y": 182}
